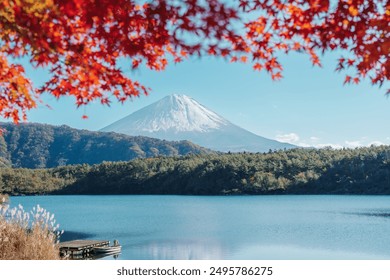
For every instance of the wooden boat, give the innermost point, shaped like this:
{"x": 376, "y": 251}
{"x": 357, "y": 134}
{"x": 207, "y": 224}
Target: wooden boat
{"x": 115, "y": 249}
{"x": 107, "y": 249}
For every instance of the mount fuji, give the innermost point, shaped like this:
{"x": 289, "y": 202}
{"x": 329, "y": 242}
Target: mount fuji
{"x": 179, "y": 117}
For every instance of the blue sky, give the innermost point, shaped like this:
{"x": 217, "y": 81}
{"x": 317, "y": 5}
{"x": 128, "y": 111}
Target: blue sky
{"x": 309, "y": 107}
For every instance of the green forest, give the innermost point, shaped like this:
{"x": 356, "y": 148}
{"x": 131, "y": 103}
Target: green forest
{"x": 296, "y": 171}
{"x": 44, "y": 146}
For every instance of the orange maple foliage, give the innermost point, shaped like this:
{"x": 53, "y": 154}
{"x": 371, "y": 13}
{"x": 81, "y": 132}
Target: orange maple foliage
{"x": 81, "y": 41}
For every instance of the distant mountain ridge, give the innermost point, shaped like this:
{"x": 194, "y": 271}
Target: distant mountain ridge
{"x": 179, "y": 117}
{"x": 41, "y": 146}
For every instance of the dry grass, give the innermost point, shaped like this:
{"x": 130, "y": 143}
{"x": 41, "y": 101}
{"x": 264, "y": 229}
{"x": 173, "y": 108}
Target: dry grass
{"x": 27, "y": 236}
{"x": 3, "y": 198}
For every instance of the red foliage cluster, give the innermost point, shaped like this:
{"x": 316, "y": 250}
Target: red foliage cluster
{"x": 82, "y": 41}
{"x": 361, "y": 28}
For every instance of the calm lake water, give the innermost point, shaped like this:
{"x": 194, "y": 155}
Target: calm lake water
{"x": 235, "y": 227}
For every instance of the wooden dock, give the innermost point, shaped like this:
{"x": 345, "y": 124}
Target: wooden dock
{"x": 80, "y": 248}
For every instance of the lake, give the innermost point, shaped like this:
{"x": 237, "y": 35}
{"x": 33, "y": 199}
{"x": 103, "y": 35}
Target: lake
{"x": 227, "y": 227}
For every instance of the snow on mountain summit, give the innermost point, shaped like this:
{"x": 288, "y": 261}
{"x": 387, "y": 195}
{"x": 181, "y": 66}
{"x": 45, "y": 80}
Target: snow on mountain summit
{"x": 179, "y": 117}
{"x": 179, "y": 113}
{"x": 176, "y": 113}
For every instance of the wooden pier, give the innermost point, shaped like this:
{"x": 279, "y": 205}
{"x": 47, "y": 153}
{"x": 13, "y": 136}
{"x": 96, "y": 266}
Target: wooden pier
{"x": 80, "y": 248}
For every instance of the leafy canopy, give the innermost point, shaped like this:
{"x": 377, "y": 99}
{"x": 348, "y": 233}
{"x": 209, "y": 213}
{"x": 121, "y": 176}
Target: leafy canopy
{"x": 81, "y": 41}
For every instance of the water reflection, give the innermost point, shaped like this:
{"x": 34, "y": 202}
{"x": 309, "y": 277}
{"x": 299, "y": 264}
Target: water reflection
{"x": 295, "y": 252}
{"x": 183, "y": 250}
{"x": 245, "y": 227}
{"x": 92, "y": 256}
{"x": 73, "y": 235}
{"x": 381, "y": 213}
{"x": 106, "y": 256}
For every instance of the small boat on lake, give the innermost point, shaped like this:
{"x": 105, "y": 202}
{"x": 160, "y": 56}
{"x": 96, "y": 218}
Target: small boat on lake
{"x": 107, "y": 249}
{"x": 114, "y": 249}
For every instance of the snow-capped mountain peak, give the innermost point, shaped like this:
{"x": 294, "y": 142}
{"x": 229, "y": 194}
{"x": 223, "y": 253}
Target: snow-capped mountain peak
{"x": 176, "y": 113}
{"x": 179, "y": 117}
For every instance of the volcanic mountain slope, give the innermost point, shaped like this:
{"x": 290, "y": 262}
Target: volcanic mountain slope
{"x": 179, "y": 117}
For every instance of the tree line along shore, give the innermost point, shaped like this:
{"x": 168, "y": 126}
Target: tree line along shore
{"x": 297, "y": 171}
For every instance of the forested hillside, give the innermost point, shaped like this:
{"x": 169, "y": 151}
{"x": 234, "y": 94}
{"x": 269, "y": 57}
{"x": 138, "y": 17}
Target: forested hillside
{"x": 297, "y": 171}
{"x": 42, "y": 146}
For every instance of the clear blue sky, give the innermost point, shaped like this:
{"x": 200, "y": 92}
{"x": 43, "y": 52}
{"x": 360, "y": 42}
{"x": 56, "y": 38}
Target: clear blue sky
{"x": 309, "y": 107}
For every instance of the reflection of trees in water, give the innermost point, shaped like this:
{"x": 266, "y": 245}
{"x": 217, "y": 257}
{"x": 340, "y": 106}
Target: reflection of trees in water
{"x": 184, "y": 250}
{"x": 380, "y": 213}
{"x": 73, "y": 235}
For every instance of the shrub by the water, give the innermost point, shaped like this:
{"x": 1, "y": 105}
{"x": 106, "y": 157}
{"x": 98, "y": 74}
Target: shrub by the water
{"x": 27, "y": 236}
{"x": 3, "y": 198}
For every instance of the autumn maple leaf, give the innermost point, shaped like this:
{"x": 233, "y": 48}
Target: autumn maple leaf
{"x": 80, "y": 42}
